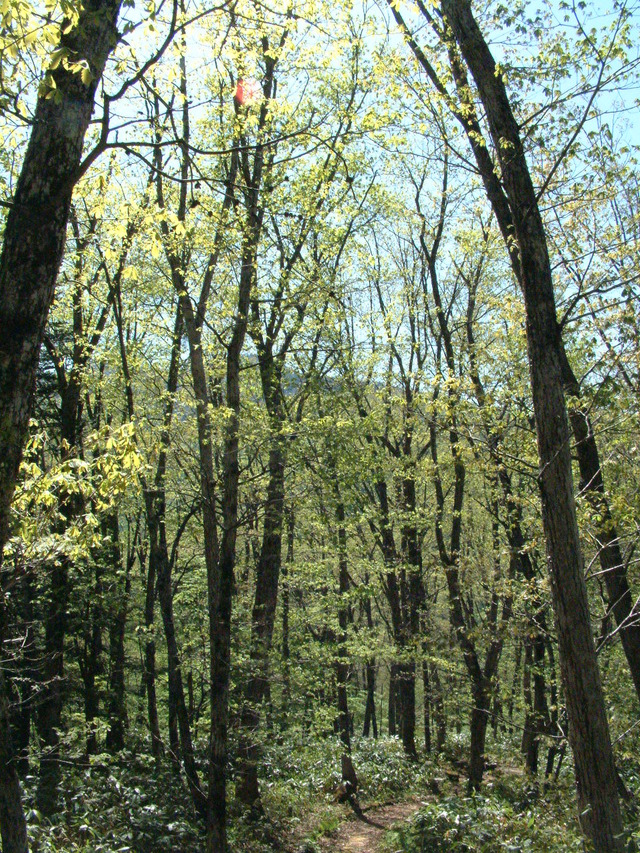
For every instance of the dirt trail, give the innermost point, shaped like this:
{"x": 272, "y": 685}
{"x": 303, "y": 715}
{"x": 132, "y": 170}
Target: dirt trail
{"x": 357, "y": 836}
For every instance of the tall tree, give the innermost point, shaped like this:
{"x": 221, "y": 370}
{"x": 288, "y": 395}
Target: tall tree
{"x": 588, "y": 728}
{"x": 32, "y": 250}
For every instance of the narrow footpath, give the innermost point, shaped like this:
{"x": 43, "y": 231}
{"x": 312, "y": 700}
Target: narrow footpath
{"x": 365, "y": 836}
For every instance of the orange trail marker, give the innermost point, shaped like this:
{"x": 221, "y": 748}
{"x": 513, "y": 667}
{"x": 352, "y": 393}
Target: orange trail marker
{"x": 247, "y": 92}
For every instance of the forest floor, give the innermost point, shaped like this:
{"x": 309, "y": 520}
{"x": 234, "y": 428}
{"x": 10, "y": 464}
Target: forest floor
{"x": 365, "y": 835}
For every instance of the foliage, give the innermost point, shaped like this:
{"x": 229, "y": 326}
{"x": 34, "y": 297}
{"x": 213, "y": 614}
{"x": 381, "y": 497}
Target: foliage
{"x": 113, "y": 806}
{"x": 490, "y": 823}
{"x": 385, "y": 352}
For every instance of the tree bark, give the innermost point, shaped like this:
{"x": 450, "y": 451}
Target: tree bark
{"x": 370, "y": 723}
{"x": 438, "y": 708}
{"x": 91, "y": 663}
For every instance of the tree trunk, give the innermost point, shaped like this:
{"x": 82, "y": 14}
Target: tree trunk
{"x": 479, "y": 720}
{"x": 537, "y": 716}
{"x": 370, "y": 722}
{"x": 406, "y": 685}
{"x": 13, "y": 827}
{"x": 438, "y": 708}
{"x": 370, "y": 676}
{"x": 159, "y": 564}
{"x": 35, "y": 231}
{"x": 48, "y": 718}
{"x": 91, "y": 662}
{"x": 286, "y": 651}
{"x": 614, "y": 570}
{"x": 117, "y": 704}
{"x": 342, "y": 660}
{"x": 262, "y": 623}
{"x": 426, "y": 705}
{"x": 220, "y": 564}
{"x": 414, "y": 597}
{"x": 150, "y": 660}
{"x": 178, "y": 714}
{"x": 21, "y": 695}
{"x": 393, "y": 700}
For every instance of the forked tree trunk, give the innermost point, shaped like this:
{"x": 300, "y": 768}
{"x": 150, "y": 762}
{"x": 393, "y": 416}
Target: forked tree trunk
{"x": 370, "y": 721}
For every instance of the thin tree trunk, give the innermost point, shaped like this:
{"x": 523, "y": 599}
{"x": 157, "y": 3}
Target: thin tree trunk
{"x": 117, "y": 704}
{"x": 21, "y": 695}
{"x": 91, "y": 662}
{"x": 50, "y": 707}
{"x": 426, "y": 705}
{"x": 262, "y": 623}
{"x": 179, "y": 728}
{"x": 438, "y": 708}
{"x": 286, "y": 651}
{"x": 150, "y": 660}
{"x": 13, "y": 827}
{"x": 393, "y": 700}
{"x": 342, "y": 661}
{"x": 370, "y": 677}
{"x": 370, "y": 722}
{"x": 158, "y": 564}
{"x": 537, "y": 716}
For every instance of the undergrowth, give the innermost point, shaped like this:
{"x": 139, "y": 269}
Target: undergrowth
{"x": 132, "y": 804}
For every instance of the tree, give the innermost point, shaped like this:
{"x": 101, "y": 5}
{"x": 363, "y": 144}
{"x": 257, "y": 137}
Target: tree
{"x": 32, "y": 250}
{"x": 588, "y": 729}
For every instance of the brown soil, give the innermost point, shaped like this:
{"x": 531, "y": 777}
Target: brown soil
{"x": 365, "y": 836}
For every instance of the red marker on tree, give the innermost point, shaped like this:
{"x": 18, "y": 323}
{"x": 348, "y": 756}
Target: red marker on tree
{"x": 248, "y": 92}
